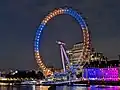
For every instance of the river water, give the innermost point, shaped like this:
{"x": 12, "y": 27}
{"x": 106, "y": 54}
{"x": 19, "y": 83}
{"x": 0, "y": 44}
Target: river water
{"x": 28, "y": 87}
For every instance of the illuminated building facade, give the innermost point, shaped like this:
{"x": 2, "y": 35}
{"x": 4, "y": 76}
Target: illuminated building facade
{"x": 97, "y": 57}
{"x": 74, "y": 54}
{"x": 106, "y": 74}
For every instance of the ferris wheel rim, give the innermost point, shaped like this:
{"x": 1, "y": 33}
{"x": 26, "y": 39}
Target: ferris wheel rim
{"x": 79, "y": 19}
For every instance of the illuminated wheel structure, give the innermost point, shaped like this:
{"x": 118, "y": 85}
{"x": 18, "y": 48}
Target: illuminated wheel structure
{"x": 85, "y": 32}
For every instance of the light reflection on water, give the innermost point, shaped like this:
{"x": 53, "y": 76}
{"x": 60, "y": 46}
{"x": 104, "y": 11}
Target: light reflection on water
{"x": 28, "y": 87}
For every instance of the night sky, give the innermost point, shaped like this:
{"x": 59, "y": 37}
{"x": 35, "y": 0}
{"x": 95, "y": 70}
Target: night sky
{"x": 19, "y": 20}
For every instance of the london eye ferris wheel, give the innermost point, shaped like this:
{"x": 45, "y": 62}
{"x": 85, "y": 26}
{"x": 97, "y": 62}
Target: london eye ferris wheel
{"x": 83, "y": 26}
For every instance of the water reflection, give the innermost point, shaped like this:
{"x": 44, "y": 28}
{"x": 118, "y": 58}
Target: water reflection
{"x": 71, "y": 88}
{"x": 18, "y": 87}
{"x": 96, "y": 87}
{"x": 33, "y": 87}
{"x": 104, "y": 88}
{"x": 42, "y": 88}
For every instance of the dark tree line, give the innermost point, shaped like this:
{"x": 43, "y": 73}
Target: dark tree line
{"x": 26, "y": 74}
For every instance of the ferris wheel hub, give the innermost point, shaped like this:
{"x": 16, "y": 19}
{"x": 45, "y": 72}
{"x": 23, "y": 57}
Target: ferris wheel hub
{"x": 60, "y": 43}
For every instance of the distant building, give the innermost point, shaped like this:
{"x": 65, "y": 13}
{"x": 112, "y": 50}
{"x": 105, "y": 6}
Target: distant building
{"x": 75, "y": 53}
{"x": 97, "y": 57}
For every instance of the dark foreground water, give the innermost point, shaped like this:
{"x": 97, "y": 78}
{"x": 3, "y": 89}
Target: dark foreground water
{"x": 60, "y": 88}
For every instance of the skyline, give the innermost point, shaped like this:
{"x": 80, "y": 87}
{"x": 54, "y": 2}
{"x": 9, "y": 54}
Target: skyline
{"x": 20, "y": 19}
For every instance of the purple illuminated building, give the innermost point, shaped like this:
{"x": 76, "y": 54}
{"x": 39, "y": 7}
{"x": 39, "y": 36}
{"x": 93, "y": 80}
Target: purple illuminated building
{"x": 106, "y": 74}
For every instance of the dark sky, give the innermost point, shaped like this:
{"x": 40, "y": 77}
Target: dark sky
{"x": 19, "y": 20}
